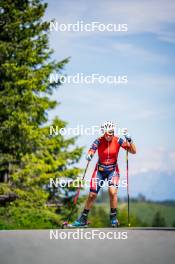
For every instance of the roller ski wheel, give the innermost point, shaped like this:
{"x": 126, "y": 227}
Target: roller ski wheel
{"x": 75, "y": 225}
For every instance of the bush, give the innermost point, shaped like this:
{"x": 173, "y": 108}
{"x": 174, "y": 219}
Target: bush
{"x": 158, "y": 220}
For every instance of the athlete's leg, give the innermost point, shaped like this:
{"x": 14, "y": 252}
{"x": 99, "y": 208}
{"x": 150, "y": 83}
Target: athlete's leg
{"x": 90, "y": 200}
{"x": 94, "y": 189}
{"x": 83, "y": 219}
{"x": 113, "y": 181}
{"x": 113, "y": 196}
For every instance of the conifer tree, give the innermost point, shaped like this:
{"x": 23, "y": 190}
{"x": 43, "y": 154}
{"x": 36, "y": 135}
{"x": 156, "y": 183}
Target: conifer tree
{"x": 27, "y": 152}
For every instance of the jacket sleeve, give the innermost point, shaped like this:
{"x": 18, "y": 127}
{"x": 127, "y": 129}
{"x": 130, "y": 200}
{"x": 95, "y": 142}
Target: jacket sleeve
{"x": 94, "y": 147}
{"x": 124, "y": 144}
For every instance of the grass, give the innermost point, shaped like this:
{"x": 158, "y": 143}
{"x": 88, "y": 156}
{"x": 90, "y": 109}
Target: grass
{"x": 146, "y": 211}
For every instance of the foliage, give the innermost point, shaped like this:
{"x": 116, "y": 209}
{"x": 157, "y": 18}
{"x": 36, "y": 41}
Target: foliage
{"x": 146, "y": 211}
{"x": 99, "y": 217}
{"x": 28, "y": 153}
{"x": 158, "y": 220}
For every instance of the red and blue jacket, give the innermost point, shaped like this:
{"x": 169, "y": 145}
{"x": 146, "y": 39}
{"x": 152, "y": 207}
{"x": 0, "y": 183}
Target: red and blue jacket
{"x": 107, "y": 150}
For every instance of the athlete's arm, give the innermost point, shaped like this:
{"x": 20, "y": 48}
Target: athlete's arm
{"x": 129, "y": 146}
{"x": 93, "y": 149}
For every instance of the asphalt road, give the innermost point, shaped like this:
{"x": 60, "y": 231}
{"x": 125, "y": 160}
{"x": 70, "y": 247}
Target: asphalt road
{"x": 120, "y": 246}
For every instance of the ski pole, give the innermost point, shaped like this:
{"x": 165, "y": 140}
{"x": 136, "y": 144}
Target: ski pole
{"x": 127, "y": 179}
{"x": 75, "y": 198}
{"x": 78, "y": 191}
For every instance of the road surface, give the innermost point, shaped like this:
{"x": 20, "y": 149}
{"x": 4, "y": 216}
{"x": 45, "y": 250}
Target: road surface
{"x": 132, "y": 246}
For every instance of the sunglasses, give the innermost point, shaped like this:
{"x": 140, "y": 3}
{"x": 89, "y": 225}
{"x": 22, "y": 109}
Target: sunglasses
{"x": 109, "y": 134}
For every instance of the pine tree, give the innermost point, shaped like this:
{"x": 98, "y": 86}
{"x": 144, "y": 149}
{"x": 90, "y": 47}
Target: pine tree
{"x": 27, "y": 152}
{"x": 25, "y": 66}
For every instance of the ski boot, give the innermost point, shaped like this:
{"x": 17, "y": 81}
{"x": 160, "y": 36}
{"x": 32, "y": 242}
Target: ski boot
{"x": 113, "y": 220}
{"x": 81, "y": 221}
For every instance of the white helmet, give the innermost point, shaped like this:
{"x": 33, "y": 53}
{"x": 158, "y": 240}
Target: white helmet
{"x": 107, "y": 127}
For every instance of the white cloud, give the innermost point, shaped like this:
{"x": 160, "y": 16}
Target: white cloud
{"x": 153, "y": 16}
{"x": 154, "y": 160}
{"x": 128, "y": 49}
{"x": 167, "y": 36}
{"x": 143, "y": 16}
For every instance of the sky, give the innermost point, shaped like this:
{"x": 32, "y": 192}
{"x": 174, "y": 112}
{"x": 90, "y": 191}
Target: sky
{"x": 145, "y": 105}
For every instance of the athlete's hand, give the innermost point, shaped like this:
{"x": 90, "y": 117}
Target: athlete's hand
{"x": 89, "y": 157}
{"x": 126, "y": 134}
